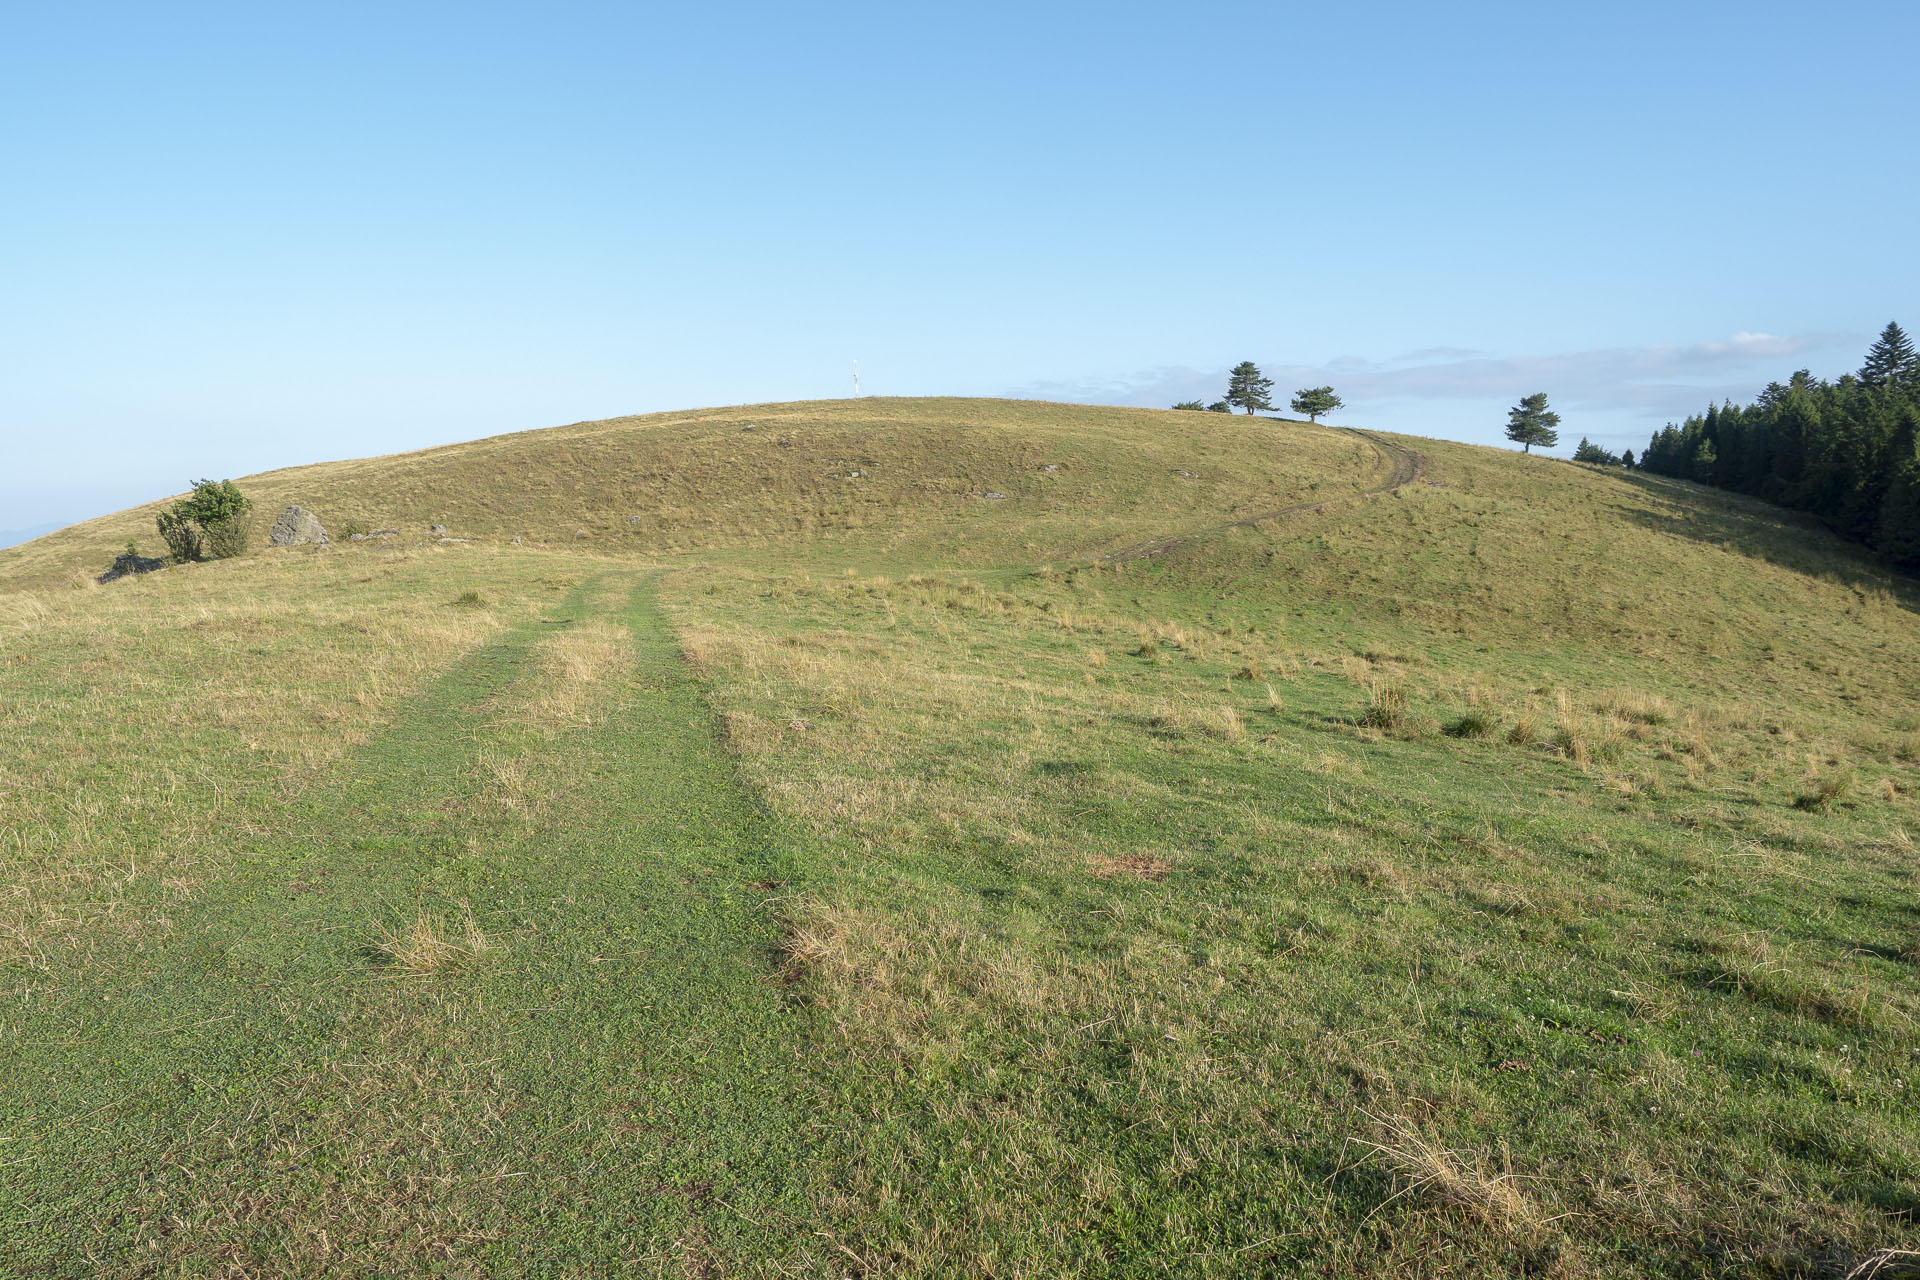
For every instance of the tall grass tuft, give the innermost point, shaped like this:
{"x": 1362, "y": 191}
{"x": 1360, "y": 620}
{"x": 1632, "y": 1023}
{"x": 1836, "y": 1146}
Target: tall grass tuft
{"x": 1827, "y": 785}
{"x": 430, "y": 944}
{"x": 1458, "y": 1178}
{"x": 1475, "y": 722}
{"x": 1386, "y": 706}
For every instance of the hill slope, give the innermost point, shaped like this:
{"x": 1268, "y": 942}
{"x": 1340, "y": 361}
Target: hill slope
{"x": 875, "y": 473}
{"x": 1507, "y": 871}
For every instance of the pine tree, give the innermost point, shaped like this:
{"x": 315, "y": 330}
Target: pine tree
{"x": 1314, "y": 401}
{"x": 1247, "y": 389}
{"x": 1899, "y": 532}
{"x": 1700, "y": 466}
{"x": 1892, "y": 362}
{"x": 1531, "y": 423}
{"x": 1796, "y": 425}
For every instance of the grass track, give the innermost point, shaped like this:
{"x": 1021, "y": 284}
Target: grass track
{"x": 1404, "y": 467}
{"x": 268, "y": 1086}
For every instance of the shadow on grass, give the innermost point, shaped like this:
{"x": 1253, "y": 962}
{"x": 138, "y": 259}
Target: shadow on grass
{"x": 1758, "y": 529}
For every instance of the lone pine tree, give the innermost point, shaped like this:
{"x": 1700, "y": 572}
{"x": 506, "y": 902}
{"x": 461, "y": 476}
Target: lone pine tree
{"x": 1247, "y": 389}
{"x": 1531, "y": 423}
{"x": 1314, "y": 401}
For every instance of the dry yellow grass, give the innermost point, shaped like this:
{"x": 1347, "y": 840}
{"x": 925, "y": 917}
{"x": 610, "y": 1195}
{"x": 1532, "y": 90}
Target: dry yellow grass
{"x": 1463, "y": 1179}
{"x": 186, "y": 697}
{"x": 428, "y": 944}
{"x": 573, "y": 668}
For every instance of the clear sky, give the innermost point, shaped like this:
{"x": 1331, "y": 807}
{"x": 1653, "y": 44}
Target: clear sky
{"x": 234, "y": 237}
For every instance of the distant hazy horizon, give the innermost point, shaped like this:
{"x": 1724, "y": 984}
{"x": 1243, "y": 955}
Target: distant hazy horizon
{"x": 14, "y": 537}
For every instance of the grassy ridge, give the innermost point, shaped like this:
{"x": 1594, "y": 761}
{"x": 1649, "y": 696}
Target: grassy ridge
{"x": 910, "y": 476}
{"x": 1510, "y": 873}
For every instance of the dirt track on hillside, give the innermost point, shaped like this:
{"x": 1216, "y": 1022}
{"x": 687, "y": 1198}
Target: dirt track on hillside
{"x": 1408, "y": 467}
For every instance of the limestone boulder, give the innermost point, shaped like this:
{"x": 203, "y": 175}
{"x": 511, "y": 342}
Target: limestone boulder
{"x": 297, "y": 527}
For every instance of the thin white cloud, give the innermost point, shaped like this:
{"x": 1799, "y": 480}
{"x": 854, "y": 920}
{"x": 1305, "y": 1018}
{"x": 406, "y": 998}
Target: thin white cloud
{"x": 1652, "y": 381}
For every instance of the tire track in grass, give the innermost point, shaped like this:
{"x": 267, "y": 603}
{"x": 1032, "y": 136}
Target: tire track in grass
{"x": 1406, "y": 467}
{"x": 284, "y": 1084}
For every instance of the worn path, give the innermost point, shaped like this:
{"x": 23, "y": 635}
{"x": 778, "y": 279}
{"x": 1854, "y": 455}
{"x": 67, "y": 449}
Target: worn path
{"x": 271, "y": 1081}
{"x": 1405, "y": 468}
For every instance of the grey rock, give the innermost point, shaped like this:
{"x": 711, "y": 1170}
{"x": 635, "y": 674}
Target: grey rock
{"x": 516, "y": 542}
{"x": 357, "y": 537}
{"x": 384, "y": 533}
{"x": 1186, "y": 475}
{"x": 633, "y": 519}
{"x": 453, "y": 542}
{"x": 579, "y": 533}
{"x": 1049, "y": 466}
{"x": 296, "y": 527}
{"x": 436, "y": 531}
{"x": 126, "y": 566}
{"x": 992, "y": 496}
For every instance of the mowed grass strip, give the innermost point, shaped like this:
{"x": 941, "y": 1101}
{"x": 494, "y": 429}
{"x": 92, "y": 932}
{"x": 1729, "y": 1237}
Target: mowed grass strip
{"x": 412, "y": 1030}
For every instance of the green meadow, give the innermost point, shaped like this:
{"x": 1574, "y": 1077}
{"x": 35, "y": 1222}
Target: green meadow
{"x": 963, "y": 837}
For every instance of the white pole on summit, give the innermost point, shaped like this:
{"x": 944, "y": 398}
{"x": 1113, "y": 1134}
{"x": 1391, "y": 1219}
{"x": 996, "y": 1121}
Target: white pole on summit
{"x": 856, "y": 379}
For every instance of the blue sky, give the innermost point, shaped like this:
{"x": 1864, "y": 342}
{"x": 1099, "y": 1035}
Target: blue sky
{"x": 243, "y": 236}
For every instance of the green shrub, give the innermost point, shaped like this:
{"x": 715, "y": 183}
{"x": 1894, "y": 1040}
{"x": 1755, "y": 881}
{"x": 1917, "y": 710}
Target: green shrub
{"x": 227, "y": 539}
{"x": 183, "y": 537}
{"x": 209, "y": 523}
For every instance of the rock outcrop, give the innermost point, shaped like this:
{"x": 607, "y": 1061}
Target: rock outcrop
{"x": 128, "y": 564}
{"x": 296, "y": 527}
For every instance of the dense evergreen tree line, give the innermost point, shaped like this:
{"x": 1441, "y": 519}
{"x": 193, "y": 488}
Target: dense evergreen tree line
{"x": 1847, "y": 450}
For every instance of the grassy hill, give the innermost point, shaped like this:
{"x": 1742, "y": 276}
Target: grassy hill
{"x": 907, "y": 476}
{"x": 1486, "y": 866}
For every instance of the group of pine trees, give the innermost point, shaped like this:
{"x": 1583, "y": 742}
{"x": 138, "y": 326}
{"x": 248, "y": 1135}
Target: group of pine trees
{"x": 1249, "y": 389}
{"x": 1847, "y": 450}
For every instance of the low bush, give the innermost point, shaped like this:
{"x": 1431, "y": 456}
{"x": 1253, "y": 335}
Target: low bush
{"x": 208, "y": 524}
